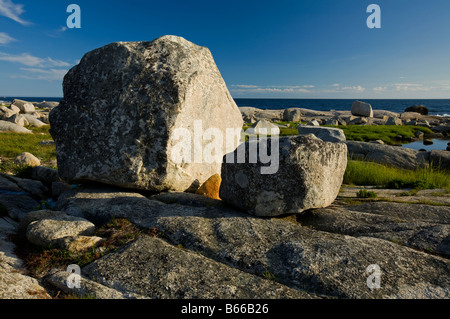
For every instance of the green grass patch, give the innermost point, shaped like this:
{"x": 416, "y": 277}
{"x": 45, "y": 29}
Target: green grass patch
{"x": 386, "y": 133}
{"x": 13, "y": 144}
{"x": 373, "y": 174}
{"x": 363, "y": 193}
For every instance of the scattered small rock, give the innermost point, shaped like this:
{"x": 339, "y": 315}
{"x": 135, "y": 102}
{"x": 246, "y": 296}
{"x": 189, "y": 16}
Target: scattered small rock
{"x": 27, "y": 159}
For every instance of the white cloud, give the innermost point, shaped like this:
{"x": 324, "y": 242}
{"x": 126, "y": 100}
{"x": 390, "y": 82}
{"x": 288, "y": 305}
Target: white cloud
{"x": 380, "y": 88}
{"x": 5, "y": 38}
{"x": 358, "y": 88}
{"x": 56, "y": 33}
{"x": 56, "y": 63}
{"x": 43, "y": 74}
{"x": 29, "y": 60}
{"x": 335, "y": 85}
{"x": 246, "y": 88}
{"x": 24, "y": 58}
{"x": 414, "y": 87}
{"x": 12, "y": 11}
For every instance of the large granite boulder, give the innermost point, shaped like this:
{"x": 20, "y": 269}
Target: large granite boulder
{"x": 304, "y": 172}
{"x": 128, "y": 107}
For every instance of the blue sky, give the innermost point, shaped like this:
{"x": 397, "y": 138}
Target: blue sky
{"x": 264, "y": 49}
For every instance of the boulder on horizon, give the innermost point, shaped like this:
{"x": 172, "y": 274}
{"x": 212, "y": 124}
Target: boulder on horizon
{"x": 422, "y": 109}
{"x": 362, "y": 109}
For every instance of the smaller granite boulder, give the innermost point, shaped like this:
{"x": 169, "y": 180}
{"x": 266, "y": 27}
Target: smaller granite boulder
{"x": 48, "y": 231}
{"x": 309, "y": 175}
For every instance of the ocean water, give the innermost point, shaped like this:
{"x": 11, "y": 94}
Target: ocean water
{"x": 435, "y": 107}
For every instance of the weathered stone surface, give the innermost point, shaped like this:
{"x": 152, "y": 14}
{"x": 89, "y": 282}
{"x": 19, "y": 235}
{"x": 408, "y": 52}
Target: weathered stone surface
{"x": 33, "y": 120}
{"x": 388, "y": 155}
{"x": 18, "y": 119}
{"x": 6, "y": 113}
{"x": 426, "y": 236}
{"x": 309, "y": 175}
{"x": 211, "y": 187}
{"x": 153, "y": 268}
{"x": 36, "y": 216}
{"x": 13, "y": 283}
{"x": 6, "y": 126}
{"x": 77, "y": 244}
{"x": 292, "y": 114}
{"x": 121, "y": 108}
{"x": 423, "y": 213}
{"x": 188, "y": 199}
{"x": 88, "y": 288}
{"x": 326, "y": 134}
{"x": 33, "y": 187}
{"x": 44, "y": 174}
{"x": 58, "y": 188}
{"x": 8, "y": 184}
{"x": 49, "y": 230}
{"x": 27, "y": 159}
{"x": 18, "y": 204}
{"x": 362, "y": 109}
{"x": 301, "y": 258}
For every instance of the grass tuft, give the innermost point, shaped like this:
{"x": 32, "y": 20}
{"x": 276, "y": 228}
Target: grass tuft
{"x": 363, "y": 193}
{"x": 373, "y": 174}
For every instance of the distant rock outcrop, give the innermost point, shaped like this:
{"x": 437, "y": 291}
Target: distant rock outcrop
{"x": 326, "y": 134}
{"x": 422, "y": 109}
